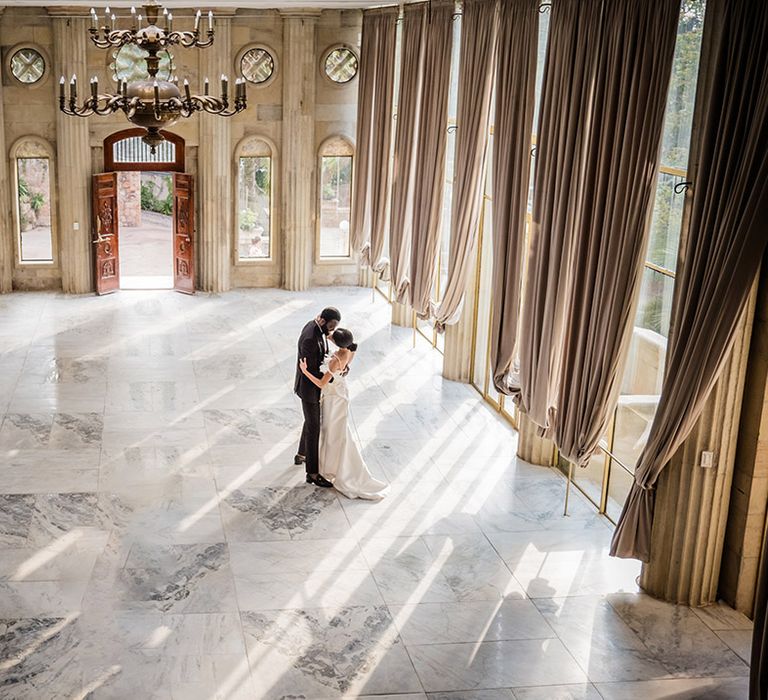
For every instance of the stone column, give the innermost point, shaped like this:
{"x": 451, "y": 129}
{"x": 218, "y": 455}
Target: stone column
{"x": 214, "y": 180}
{"x": 299, "y": 69}
{"x": 6, "y": 197}
{"x": 457, "y": 361}
{"x": 73, "y": 157}
{"x": 691, "y": 501}
{"x": 402, "y": 315}
{"x": 530, "y": 446}
{"x": 749, "y": 493}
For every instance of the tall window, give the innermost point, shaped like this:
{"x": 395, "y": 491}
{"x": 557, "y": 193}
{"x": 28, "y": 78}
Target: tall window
{"x": 609, "y": 476}
{"x": 254, "y": 200}
{"x": 34, "y": 201}
{"x": 335, "y": 198}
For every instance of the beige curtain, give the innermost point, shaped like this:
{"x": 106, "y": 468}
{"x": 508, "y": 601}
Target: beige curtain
{"x": 513, "y": 124}
{"x": 572, "y": 54}
{"x": 374, "y": 133}
{"x": 637, "y": 44}
{"x": 479, "y": 23}
{"x": 721, "y": 253}
{"x": 401, "y": 214}
{"x": 429, "y": 177}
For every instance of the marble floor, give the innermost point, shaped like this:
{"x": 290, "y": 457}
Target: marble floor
{"x": 156, "y": 540}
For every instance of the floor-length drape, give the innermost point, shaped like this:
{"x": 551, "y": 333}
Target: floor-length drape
{"x": 721, "y": 252}
{"x": 479, "y": 23}
{"x": 429, "y": 179}
{"x": 610, "y": 230}
{"x": 513, "y": 123}
{"x": 569, "y": 71}
{"x": 401, "y": 212}
{"x": 374, "y": 135}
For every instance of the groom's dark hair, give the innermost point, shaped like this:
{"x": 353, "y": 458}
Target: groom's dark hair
{"x": 329, "y": 313}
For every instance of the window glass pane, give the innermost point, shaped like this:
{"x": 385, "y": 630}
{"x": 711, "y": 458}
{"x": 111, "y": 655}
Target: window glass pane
{"x": 590, "y": 478}
{"x": 655, "y": 306}
{"x": 666, "y": 222}
{"x": 34, "y": 201}
{"x": 335, "y": 188}
{"x": 682, "y": 86}
{"x": 254, "y": 207}
{"x": 618, "y": 489}
{"x": 542, "y": 54}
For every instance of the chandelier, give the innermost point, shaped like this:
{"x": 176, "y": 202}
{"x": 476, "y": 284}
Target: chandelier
{"x": 152, "y": 104}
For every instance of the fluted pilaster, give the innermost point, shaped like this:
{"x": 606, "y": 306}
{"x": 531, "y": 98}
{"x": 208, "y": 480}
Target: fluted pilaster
{"x": 298, "y": 147}
{"x": 530, "y": 446}
{"x": 457, "y": 360}
{"x": 73, "y": 161}
{"x": 692, "y": 502}
{"x": 402, "y": 315}
{"x": 6, "y": 221}
{"x": 214, "y": 171}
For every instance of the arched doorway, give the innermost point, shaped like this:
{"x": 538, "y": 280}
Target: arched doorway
{"x": 143, "y": 224}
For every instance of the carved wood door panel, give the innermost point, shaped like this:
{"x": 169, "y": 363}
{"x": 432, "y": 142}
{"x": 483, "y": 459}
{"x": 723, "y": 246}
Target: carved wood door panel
{"x": 105, "y": 233}
{"x": 183, "y": 233}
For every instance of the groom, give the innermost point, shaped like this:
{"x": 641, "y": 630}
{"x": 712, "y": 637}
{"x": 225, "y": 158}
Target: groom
{"x": 313, "y": 345}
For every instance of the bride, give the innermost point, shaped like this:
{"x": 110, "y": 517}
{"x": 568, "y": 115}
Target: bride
{"x": 340, "y": 458}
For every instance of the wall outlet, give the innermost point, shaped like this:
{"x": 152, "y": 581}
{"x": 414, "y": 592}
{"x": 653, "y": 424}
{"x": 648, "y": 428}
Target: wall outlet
{"x": 707, "y": 460}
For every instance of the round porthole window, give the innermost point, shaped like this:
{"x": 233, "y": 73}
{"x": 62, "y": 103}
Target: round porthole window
{"x": 130, "y": 64}
{"x": 257, "y": 65}
{"x": 27, "y": 66}
{"x": 340, "y": 65}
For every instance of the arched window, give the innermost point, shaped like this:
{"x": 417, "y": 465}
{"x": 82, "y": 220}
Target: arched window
{"x": 254, "y": 199}
{"x": 34, "y": 206}
{"x": 335, "y": 197}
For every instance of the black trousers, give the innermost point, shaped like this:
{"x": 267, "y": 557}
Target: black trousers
{"x": 309, "y": 445}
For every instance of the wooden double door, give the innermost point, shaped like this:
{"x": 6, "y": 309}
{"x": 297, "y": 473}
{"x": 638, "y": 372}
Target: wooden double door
{"x": 106, "y": 244}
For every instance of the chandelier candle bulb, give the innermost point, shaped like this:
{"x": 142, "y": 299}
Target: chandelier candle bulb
{"x": 224, "y": 85}
{"x": 61, "y": 90}
{"x": 210, "y": 22}
{"x": 206, "y": 87}
{"x": 73, "y": 88}
{"x": 139, "y": 21}
{"x": 94, "y": 87}
{"x": 187, "y": 94}
{"x": 94, "y": 21}
{"x": 170, "y": 21}
{"x": 197, "y": 21}
{"x": 112, "y": 23}
{"x": 133, "y": 17}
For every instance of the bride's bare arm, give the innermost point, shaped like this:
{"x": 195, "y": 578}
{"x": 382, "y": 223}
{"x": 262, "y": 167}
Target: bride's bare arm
{"x": 332, "y": 366}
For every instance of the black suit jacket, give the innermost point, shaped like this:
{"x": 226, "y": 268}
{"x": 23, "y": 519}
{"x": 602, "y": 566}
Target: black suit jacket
{"x": 313, "y": 346}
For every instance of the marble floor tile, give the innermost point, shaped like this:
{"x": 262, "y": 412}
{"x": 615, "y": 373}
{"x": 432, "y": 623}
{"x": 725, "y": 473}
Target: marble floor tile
{"x": 481, "y": 621}
{"x": 327, "y": 654}
{"x": 605, "y": 647}
{"x": 677, "y": 636}
{"x": 679, "y": 689}
{"x": 155, "y": 533}
{"x": 581, "y": 691}
{"x": 494, "y": 665}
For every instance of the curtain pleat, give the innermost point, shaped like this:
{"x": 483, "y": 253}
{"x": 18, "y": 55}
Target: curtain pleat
{"x": 513, "y": 123}
{"x": 479, "y": 23}
{"x": 374, "y": 136}
{"x": 403, "y": 170}
{"x": 610, "y": 229}
{"x": 429, "y": 180}
{"x": 567, "y": 92}
{"x": 721, "y": 252}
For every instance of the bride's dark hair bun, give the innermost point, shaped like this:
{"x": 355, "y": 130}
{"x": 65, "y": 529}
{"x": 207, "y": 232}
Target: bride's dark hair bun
{"x": 344, "y": 339}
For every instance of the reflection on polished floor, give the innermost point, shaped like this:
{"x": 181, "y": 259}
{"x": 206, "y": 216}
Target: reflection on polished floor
{"x": 157, "y": 542}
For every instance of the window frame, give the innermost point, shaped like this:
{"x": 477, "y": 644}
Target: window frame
{"x": 274, "y": 213}
{"x": 324, "y": 57}
{"x": 275, "y": 61}
{"x": 13, "y": 81}
{"x": 43, "y": 149}
{"x": 350, "y": 258}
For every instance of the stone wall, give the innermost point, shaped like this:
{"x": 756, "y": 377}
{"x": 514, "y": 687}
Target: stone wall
{"x": 32, "y": 110}
{"x": 129, "y": 198}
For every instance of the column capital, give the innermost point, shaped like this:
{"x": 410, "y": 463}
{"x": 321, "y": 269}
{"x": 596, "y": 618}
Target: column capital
{"x": 301, "y": 13}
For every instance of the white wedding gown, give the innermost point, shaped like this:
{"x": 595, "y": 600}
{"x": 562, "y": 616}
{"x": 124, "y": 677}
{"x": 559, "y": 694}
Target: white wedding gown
{"x": 340, "y": 458}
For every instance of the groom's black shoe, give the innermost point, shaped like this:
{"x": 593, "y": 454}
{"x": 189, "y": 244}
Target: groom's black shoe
{"x": 318, "y": 480}
{"x": 299, "y": 459}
